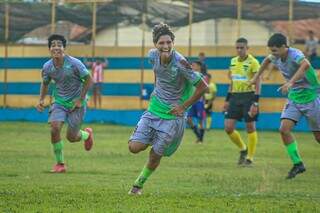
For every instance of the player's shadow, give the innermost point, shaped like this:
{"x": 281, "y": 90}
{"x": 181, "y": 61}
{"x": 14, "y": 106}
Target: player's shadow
{"x": 8, "y": 175}
{"x": 77, "y": 172}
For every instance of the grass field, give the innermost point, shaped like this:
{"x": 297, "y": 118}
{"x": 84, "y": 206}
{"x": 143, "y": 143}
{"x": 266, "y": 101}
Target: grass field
{"x": 197, "y": 178}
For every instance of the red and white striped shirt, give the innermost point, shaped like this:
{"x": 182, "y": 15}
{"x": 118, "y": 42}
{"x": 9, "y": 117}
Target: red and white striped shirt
{"x": 97, "y": 72}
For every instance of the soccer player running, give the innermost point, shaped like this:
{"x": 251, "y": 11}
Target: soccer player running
{"x": 197, "y": 110}
{"x": 162, "y": 125}
{"x": 242, "y": 101}
{"x": 72, "y": 81}
{"x": 303, "y": 97}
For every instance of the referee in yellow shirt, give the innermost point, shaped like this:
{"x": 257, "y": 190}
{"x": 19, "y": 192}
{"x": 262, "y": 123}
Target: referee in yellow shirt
{"x": 242, "y": 101}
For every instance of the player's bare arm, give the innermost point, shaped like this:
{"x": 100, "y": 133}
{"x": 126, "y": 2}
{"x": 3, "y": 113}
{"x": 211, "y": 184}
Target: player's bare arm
{"x": 86, "y": 85}
{"x": 200, "y": 89}
{"x": 43, "y": 92}
{"x": 263, "y": 67}
{"x": 304, "y": 66}
{"x": 255, "y": 105}
{"x": 226, "y": 102}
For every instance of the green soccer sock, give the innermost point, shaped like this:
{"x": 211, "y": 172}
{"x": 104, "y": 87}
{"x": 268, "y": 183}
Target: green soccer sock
{"x": 144, "y": 175}
{"x": 292, "y": 150}
{"x": 84, "y": 135}
{"x": 58, "y": 151}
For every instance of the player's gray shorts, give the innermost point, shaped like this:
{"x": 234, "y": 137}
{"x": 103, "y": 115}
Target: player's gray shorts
{"x": 164, "y": 135}
{"x": 311, "y": 111}
{"x": 74, "y": 118}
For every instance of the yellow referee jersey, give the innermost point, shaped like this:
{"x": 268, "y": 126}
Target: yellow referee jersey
{"x": 241, "y": 72}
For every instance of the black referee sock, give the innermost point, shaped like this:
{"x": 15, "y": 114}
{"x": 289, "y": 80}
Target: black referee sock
{"x": 196, "y": 131}
{"x": 201, "y": 134}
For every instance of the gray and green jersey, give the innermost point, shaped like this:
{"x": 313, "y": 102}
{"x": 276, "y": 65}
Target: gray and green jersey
{"x": 303, "y": 90}
{"x": 174, "y": 83}
{"x": 68, "y": 80}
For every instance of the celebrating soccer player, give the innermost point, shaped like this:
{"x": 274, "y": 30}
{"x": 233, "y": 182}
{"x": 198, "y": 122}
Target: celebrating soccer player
{"x": 242, "y": 101}
{"x": 302, "y": 86}
{"x": 162, "y": 125}
{"x": 72, "y": 81}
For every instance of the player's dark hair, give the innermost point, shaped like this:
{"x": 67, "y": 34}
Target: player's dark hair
{"x": 202, "y": 54}
{"x": 242, "y": 40}
{"x": 203, "y": 69}
{"x": 277, "y": 40}
{"x": 160, "y": 30}
{"x": 57, "y": 37}
{"x": 198, "y": 62}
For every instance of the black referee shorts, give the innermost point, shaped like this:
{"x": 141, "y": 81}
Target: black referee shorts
{"x": 239, "y": 106}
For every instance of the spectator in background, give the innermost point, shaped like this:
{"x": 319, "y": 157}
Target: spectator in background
{"x": 97, "y": 68}
{"x": 311, "y": 47}
{"x": 202, "y": 59}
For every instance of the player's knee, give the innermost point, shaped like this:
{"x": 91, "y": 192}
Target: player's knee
{"x": 133, "y": 148}
{"x": 284, "y": 130}
{"x": 153, "y": 163}
{"x": 317, "y": 137}
{"x": 55, "y": 131}
{"x": 72, "y": 138}
{"x": 251, "y": 129}
{"x": 228, "y": 129}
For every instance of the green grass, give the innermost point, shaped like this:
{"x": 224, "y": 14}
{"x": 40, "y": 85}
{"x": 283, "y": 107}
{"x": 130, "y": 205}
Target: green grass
{"x": 197, "y": 178}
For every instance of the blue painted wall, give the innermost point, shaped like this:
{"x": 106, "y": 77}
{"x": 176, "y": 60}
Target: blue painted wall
{"x": 118, "y": 62}
{"x": 125, "y": 89}
{"x": 267, "y": 121}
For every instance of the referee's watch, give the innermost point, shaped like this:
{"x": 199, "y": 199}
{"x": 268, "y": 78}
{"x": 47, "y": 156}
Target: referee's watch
{"x": 256, "y": 104}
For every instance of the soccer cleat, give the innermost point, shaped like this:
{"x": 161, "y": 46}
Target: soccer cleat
{"x": 248, "y": 162}
{"x": 198, "y": 141}
{"x": 89, "y": 142}
{"x": 135, "y": 190}
{"x": 59, "y": 168}
{"x": 242, "y": 158}
{"x": 296, "y": 169}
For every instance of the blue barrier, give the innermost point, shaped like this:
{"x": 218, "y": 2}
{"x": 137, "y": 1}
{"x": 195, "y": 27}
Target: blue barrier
{"x": 114, "y": 62}
{"x": 267, "y": 121}
{"x": 119, "y": 62}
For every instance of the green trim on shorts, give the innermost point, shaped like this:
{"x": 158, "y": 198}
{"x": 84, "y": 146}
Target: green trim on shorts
{"x": 172, "y": 148}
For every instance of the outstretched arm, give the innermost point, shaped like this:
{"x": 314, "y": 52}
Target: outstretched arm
{"x": 304, "y": 66}
{"x": 262, "y": 68}
{"x": 255, "y": 105}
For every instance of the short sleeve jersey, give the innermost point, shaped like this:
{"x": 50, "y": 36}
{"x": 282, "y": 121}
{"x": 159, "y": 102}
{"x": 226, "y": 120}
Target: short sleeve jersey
{"x": 304, "y": 90}
{"x": 211, "y": 92}
{"x": 68, "y": 80}
{"x": 242, "y": 72}
{"x": 174, "y": 83}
